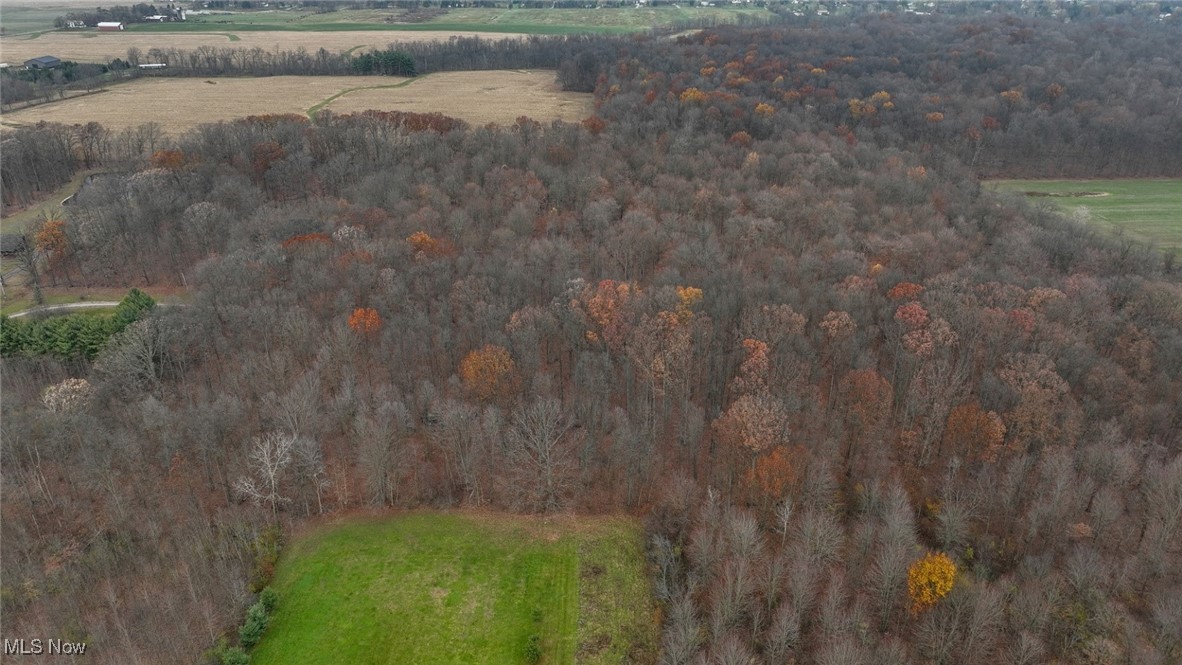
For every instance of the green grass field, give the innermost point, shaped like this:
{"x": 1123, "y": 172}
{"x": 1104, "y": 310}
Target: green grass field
{"x": 20, "y": 20}
{"x": 462, "y": 588}
{"x": 531, "y": 21}
{"x": 1148, "y": 210}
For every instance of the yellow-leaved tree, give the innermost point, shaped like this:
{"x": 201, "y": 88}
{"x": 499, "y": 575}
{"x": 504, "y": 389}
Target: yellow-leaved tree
{"x": 489, "y": 372}
{"x": 929, "y": 579}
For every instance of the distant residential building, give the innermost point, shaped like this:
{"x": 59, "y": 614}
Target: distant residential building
{"x": 44, "y": 62}
{"x": 11, "y": 244}
{"x": 75, "y": 25}
{"x": 110, "y": 26}
{"x": 153, "y": 65}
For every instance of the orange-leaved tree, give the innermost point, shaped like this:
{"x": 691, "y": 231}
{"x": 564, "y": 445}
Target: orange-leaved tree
{"x": 772, "y": 475}
{"x": 929, "y": 579}
{"x": 365, "y": 321}
{"x": 973, "y": 432}
{"x": 51, "y": 238}
{"x": 488, "y": 371}
{"x": 168, "y": 159}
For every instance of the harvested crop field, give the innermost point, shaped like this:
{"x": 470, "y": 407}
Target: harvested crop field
{"x": 179, "y": 104}
{"x": 103, "y": 47}
{"x": 476, "y": 97}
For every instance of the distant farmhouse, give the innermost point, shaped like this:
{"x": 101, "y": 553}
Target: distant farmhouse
{"x": 110, "y": 26}
{"x": 75, "y": 25}
{"x": 44, "y": 62}
{"x": 11, "y": 244}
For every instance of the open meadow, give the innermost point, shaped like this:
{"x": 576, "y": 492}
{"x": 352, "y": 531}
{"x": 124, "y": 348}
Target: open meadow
{"x": 463, "y": 588}
{"x": 1148, "y": 210}
{"x": 180, "y": 104}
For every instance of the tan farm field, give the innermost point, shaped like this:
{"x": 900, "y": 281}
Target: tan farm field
{"x": 476, "y": 97}
{"x": 104, "y": 47}
{"x": 179, "y": 104}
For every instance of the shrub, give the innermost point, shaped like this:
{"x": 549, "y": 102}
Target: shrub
{"x": 533, "y": 649}
{"x": 269, "y": 598}
{"x": 254, "y": 626}
{"x": 224, "y": 654}
{"x": 266, "y": 554}
{"x": 235, "y": 656}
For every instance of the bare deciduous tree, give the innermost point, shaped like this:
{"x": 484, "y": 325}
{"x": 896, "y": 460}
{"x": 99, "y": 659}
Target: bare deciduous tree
{"x": 268, "y": 458}
{"x": 541, "y": 455}
{"x": 380, "y": 449}
{"x": 309, "y": 468}
{"x": 296, "y": 408}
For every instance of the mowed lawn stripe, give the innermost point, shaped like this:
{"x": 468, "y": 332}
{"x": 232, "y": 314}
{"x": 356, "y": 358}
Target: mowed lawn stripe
{"x": 445, "y": 588}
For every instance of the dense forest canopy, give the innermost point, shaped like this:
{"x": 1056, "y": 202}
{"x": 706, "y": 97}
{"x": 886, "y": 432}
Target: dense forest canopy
{"x": 872, "y": 411}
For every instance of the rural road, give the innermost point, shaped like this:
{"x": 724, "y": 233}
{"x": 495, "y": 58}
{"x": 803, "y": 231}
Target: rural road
{"x": 73, "y": 305}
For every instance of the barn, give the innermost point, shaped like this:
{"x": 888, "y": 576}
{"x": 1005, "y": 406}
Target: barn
{"x": 44, "y": 62}
{"x": 110, "y": 26}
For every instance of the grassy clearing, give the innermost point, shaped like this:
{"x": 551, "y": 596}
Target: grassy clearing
{"x": 1149, "y": 210}
{"x": 617, "y": 616}
{"x": 50, "y": 204}
{"x": 24, "y": 300}
{"x": 19, "y": 298}
{"x": 461, "y": 588}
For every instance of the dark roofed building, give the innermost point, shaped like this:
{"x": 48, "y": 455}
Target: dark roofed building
{"x": 11, "y": 243}
{"x": 44, "y": 62}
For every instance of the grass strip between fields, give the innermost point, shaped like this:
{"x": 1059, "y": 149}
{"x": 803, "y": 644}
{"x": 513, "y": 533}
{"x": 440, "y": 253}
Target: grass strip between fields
{"x": 316, "y": 108}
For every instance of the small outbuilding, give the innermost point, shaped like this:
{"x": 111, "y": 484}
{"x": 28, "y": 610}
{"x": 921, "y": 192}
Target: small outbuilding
{"x": 11, "y": 244}
{"x": 44, "y": 62}
{"x": 110, "y": 26}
